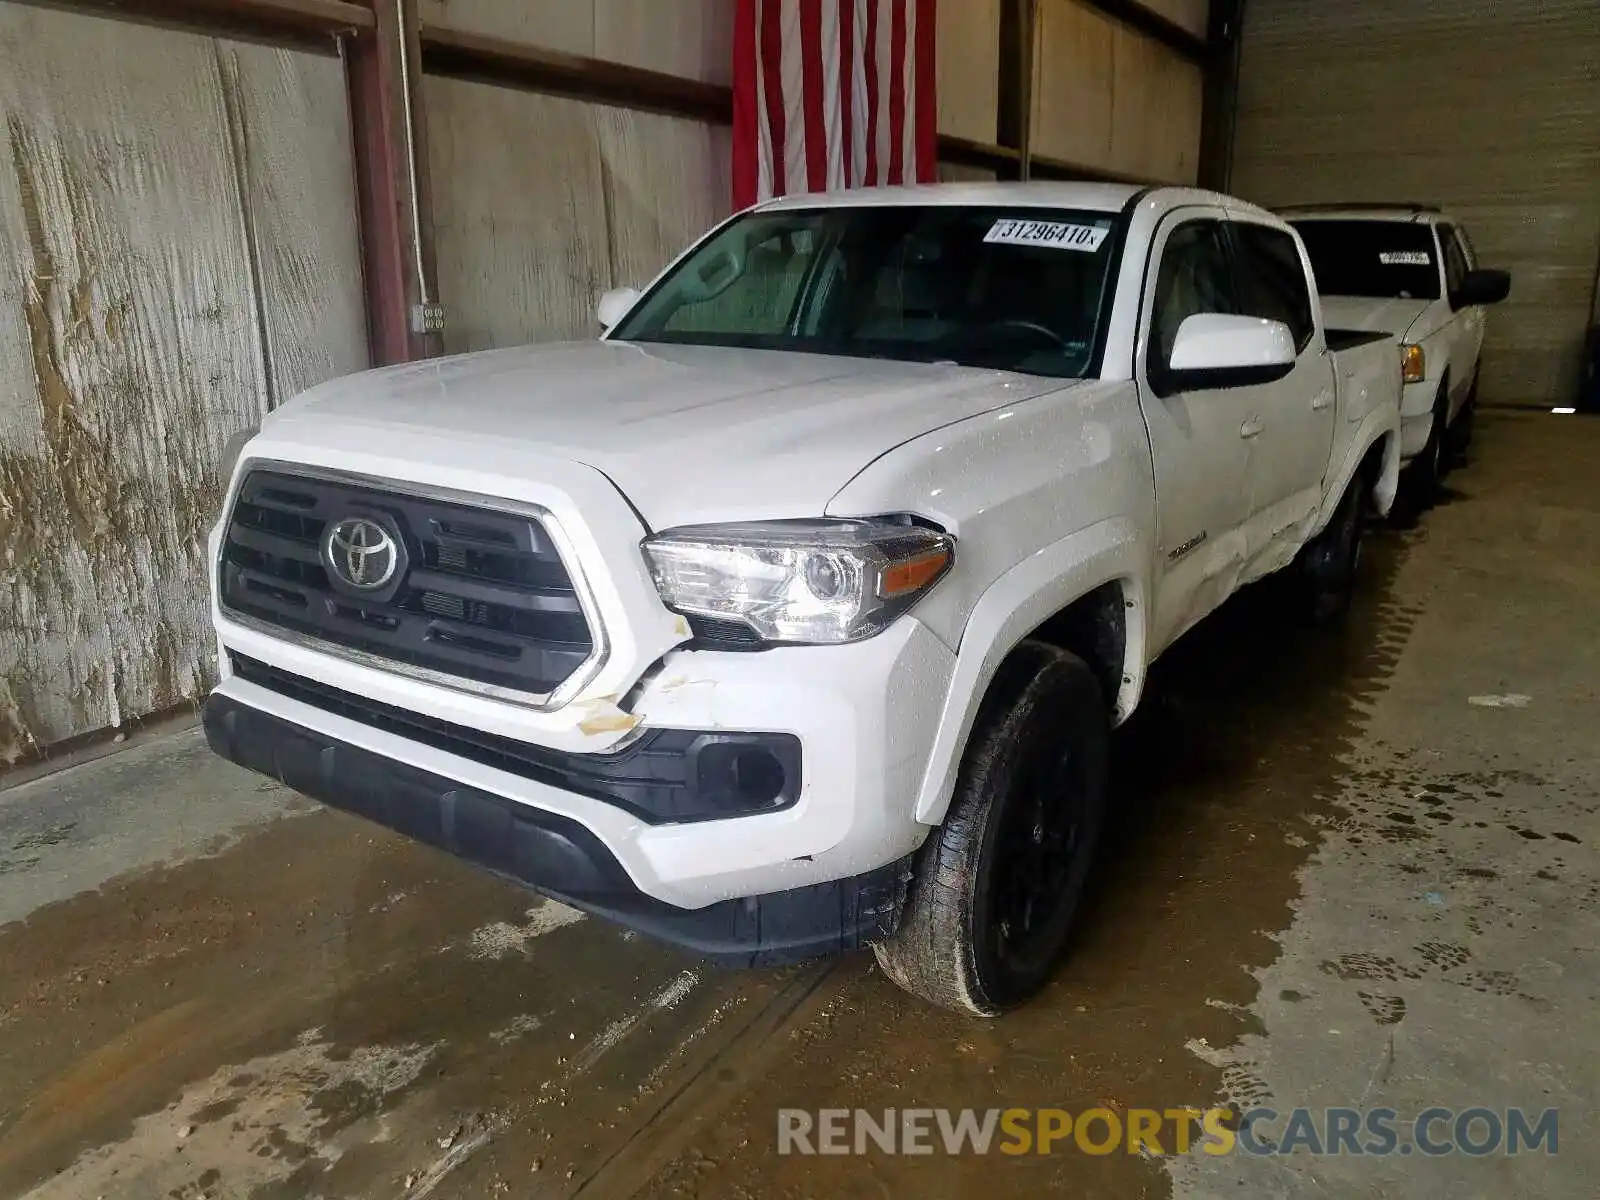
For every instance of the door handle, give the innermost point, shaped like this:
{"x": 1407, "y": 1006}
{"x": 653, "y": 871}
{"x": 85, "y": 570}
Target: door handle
{"x": 1322, "y": 400}
{"x": 1251, "y": 428}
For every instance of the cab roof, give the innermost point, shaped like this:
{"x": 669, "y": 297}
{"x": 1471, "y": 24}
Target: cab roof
{"x": 1091, "y": 197}
{"x": 1419, "y": 214}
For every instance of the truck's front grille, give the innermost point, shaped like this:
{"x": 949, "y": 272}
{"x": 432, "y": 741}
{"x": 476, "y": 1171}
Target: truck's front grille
{"x": 476, "y": 593}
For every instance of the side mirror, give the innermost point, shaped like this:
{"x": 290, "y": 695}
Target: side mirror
{"x": 1219, "y": 350}
{"x": 1482, "y": 287}
{"x": 614, "y": 305}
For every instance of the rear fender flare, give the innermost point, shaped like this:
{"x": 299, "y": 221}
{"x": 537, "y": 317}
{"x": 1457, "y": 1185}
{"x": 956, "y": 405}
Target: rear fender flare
{"x": 1376, "y": 428}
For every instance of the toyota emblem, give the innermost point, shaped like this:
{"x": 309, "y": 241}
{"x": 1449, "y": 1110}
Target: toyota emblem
{"x": 362, "y": 553}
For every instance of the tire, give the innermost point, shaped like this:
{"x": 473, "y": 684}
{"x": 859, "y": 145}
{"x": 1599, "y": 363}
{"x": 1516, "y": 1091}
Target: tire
{"x": 997, "y": 886}
{"x": 1460, "y": 437}
{"x": 1326, "y": 566}
{"x": 1422, "y": 480}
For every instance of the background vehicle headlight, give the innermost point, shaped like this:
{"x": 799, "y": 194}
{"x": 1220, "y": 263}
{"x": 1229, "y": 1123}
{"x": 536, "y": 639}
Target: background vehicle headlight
{"x": 811, "y": 582}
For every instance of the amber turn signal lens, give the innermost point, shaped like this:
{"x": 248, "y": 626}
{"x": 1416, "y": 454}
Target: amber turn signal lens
{"x": 1413, "y": 367}
{"x": 912, "y": 575}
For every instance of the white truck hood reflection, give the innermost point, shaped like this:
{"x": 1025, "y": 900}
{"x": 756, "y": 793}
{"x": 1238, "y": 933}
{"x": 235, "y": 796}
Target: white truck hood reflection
{"x": 1372, "y": 314}
{"x": 687, "y": 433}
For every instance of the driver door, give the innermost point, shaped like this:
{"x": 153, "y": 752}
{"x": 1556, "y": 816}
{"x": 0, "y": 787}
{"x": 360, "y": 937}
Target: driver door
{"x": 1463, "y": 336}
{"x": 1200, "y": 441}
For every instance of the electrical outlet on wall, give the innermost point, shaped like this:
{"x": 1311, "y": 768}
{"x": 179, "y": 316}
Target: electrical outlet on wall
{"x": 427, "y": 318}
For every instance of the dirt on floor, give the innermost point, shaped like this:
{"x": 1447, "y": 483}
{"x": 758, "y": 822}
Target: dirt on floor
{"x": 1349, "y": 866}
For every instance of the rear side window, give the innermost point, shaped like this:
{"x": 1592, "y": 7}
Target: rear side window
{"x": 1382, "y": 259}
{"x": 1272, "y": 283}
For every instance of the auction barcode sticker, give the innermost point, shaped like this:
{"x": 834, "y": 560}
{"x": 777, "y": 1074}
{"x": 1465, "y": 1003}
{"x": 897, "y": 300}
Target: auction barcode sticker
{"x": 1404, "y": 258}
{"x": 1056, "y": 234}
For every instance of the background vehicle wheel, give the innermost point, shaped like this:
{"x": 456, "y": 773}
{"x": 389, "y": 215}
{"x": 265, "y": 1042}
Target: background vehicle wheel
{"x": 1459, "y": 439}
{"x": 1327, "y": 564}
{"x": 1421, "y": 480}
{"x": 997, "y": 886}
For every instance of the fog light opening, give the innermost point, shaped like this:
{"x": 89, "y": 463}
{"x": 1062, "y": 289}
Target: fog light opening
{"x": 758, "y": 777}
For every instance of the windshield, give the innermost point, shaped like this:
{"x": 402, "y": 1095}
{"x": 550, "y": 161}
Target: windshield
{"x": 1014, "y": 289}
{"x": 1386, "y": 259}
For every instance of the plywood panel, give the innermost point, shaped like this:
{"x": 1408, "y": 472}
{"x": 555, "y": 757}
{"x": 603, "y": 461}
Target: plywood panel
{"x": 1073, "y": 80}
{"x": 295, "y": 144}
{"x": 175, "y": 256}
{"x": 1156, "y": 103}
{"x": 689, "y": 38}
{"x": 1106, "y": 96}
{"x": 969, "y": 66}
{"x": 541, "y": 203}
{"x": 667, "y": 181}
{"x": 565, "y": 25}
{"x": 519, "y": 225}
{"x": 961, "y": 173}
{"x": 1188, "y": 14}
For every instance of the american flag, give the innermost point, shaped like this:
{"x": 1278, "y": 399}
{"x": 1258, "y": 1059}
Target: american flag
{"x": 832, "y": 94}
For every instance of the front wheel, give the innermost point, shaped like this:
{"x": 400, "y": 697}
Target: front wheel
{"x": 1460, "y": 439}
{"x": 1423, "y": 478}
{"x": 997, "y": 886}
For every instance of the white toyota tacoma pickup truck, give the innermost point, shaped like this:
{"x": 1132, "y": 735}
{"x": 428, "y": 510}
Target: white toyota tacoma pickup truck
{"x": 1410, "y": 270}
{"x": 792, "y": 614}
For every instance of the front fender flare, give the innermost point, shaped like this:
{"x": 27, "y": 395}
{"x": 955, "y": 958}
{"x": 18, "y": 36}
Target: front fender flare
{"x": 1017, "y": 603}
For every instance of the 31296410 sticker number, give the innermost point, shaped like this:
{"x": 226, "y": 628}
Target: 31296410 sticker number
{"x": 1057, "y": 235}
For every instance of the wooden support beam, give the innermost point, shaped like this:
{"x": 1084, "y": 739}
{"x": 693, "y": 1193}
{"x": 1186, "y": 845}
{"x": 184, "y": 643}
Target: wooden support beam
{"x": 307, "y": 24}
{"x": 1042, "y": 166}
{"x": 1003, "y": 160}
{"x": 392, "y": 195}
{"x": 1152, "y": 24}
{"x": 1220, "y": 96}
{"x": 472, "y": 56}
{"x": 1014, "y": 84}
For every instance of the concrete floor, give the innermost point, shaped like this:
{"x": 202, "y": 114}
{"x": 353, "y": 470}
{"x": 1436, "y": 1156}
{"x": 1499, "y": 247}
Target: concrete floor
{"x": 1350, "y": 867}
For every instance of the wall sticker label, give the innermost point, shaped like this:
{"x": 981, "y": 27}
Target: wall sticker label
{"x": 1405, "y": 258}
{"x": 1055, "y": 234}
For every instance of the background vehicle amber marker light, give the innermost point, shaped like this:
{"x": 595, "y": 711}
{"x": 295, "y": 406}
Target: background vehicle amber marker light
{"x": 1413, "y": 364}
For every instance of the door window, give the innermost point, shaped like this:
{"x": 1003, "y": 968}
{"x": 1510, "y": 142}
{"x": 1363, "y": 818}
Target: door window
{"x": 1195, "y": 277}
{"x": 1455, "y": 259}
{"x": 1272, "y": 280}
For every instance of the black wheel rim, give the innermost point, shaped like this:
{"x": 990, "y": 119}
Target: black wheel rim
{"x": 1038, "y": 850}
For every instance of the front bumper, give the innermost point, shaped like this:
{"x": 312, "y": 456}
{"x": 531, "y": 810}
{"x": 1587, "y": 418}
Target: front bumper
{"x": 1416, "y": 416}
{"x": 864, "y": 716}
{"x": 554, "y": 855}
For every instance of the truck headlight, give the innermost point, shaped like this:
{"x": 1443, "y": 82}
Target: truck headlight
{"x": 816, "y": 582}
{"x": 1413, "y": 364}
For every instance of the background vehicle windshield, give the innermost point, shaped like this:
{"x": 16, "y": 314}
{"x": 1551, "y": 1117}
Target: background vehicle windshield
{"x": 1387, "y": 259}
{"x": 1014, "y": 289}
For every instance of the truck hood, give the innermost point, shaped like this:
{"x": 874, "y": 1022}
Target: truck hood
{"x": 687, "y": 433}
{"x": 1372, "y": 314}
